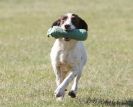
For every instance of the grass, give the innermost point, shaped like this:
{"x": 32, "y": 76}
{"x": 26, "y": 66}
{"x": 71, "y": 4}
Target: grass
{"x": 26, "y": 77}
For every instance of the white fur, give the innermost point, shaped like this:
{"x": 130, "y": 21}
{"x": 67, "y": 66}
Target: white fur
{"x": 68, "y": 59}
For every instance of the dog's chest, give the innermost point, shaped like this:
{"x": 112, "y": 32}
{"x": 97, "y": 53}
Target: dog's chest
{"x": 66, "y": 52}
{"x": 67, "y": 57}
{"x": 66, "y": 60}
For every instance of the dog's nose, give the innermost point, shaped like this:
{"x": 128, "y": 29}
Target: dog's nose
{"x": 67, "y": 27}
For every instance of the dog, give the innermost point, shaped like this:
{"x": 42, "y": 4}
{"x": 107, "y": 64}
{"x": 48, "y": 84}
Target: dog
{"x": 68, "y": 56}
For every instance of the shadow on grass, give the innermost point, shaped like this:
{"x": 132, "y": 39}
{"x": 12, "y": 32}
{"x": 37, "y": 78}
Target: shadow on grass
{"x": 127, "y": 103}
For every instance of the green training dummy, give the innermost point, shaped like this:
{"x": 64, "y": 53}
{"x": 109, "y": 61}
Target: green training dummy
{"x": 77, "y": 34}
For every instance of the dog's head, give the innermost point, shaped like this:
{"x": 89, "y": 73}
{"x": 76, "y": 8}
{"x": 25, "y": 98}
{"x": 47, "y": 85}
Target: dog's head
{"x": 70, "y": 21}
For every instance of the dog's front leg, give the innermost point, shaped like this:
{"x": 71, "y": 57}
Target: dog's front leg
{"x": 61, "y": 88}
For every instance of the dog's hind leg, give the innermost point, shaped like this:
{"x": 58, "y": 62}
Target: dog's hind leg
{"x": 57, "y": 73}
{"x": 74, "y": 88}
{"x": 58, "y": 80}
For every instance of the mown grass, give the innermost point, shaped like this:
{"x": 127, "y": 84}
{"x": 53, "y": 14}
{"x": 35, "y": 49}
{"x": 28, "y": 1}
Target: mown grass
{"x": 26, "y": 77}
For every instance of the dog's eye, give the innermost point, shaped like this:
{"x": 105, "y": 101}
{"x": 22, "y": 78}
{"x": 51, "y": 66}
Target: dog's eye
{"x": 64, "y": 18}
{"x": 74, "y": 20}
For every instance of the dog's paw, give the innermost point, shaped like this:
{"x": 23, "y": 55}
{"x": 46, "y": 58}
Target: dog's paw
{"x": 59, "y": 92}
{"x": 72, "y": 94}
{"x": 59, "y": 99}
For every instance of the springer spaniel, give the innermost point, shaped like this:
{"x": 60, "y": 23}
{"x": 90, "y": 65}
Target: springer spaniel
{"x": 68, "y": 56}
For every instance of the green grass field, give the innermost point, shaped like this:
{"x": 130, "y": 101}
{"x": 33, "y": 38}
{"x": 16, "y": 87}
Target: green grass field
{"x": 26, "y": 77}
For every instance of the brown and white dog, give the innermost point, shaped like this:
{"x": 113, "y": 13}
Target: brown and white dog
{"x": 68, "y": 56}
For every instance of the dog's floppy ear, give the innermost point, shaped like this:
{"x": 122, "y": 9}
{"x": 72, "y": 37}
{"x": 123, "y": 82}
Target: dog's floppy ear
{"x": 56, "y": 23}
{"x": 82, "y": 24}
